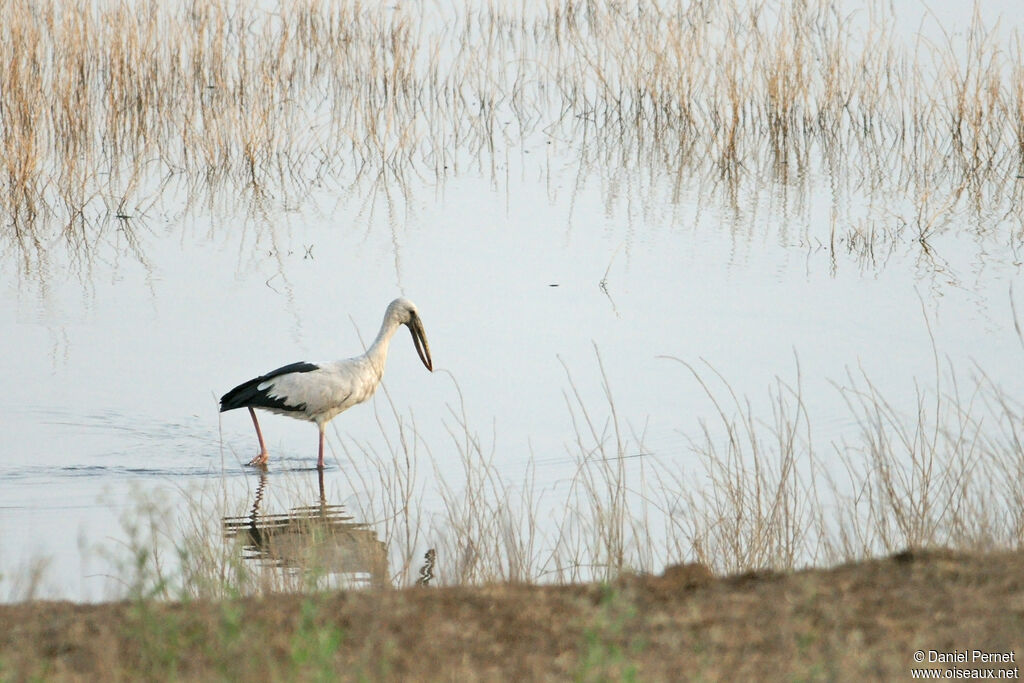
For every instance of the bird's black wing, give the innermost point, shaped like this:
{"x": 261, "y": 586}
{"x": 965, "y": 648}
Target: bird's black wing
{"x": 248, "y": 394}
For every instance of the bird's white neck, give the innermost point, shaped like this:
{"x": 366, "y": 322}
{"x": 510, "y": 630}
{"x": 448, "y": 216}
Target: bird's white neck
{"x": 378, "y": 351}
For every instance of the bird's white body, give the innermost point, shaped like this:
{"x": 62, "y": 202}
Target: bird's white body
{"x": 318, "y": 392}
{"x": 332, "y": 388}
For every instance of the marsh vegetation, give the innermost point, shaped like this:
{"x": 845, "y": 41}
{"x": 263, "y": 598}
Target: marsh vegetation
{"x": 758, "y": 495}
{"x": 114, "y": 116}
{"x": 107, "y": 107}
{"x": 720, "y": 287}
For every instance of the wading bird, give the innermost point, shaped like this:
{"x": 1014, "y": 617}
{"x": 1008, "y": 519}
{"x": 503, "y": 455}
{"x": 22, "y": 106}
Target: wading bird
{"x": 319, "y": 391}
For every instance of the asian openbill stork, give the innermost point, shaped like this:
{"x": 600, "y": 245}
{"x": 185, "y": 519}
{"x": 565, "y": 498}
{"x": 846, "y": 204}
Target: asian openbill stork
{"x": 319, "y": 391}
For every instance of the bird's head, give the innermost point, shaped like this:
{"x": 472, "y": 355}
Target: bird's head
{"x": 406, "y": 313}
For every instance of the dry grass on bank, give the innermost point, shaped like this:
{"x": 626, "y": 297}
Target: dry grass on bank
{"x": 855, "y": 622}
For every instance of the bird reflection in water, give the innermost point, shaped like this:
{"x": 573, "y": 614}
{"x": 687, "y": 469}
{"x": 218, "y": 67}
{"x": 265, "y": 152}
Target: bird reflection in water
{"x": 320, "y": 544}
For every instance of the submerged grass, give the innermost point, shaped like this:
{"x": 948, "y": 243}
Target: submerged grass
{"x": 106, "y": 107}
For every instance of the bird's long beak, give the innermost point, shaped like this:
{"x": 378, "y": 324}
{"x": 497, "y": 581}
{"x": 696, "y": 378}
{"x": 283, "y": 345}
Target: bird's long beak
{"x": 419, "y": 338}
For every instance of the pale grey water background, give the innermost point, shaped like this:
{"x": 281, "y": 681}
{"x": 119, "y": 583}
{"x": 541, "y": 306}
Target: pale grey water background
{"x": 116, "y": 354}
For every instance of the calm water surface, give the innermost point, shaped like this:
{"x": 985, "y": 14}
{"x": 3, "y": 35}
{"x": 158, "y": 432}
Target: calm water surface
{"x": 118, "y": 350}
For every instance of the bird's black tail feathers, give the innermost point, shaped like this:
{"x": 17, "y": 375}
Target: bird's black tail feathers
{"x": 248, "y": 394}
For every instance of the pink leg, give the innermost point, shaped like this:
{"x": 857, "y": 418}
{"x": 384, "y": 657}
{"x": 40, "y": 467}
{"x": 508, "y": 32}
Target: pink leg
{"x": 261, "y": 459}
{"x": 320, "y": 462}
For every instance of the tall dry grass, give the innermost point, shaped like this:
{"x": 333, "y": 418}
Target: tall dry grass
{"x": 105, "y": 106}
{"x": 749, "y": 491}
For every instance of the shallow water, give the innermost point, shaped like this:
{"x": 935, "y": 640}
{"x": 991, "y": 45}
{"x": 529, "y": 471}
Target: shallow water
{"x": 119, "y": 349}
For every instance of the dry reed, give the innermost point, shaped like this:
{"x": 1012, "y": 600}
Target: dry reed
{"x": 103, "y": 105}
{"x": 748, "y": 494}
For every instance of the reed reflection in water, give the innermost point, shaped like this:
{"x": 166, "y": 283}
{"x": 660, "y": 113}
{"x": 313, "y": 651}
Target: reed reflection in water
{"x": 319, "y": 543}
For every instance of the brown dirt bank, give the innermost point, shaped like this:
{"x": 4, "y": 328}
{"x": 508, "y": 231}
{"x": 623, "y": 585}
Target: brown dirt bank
{"x": 857, "y": 621}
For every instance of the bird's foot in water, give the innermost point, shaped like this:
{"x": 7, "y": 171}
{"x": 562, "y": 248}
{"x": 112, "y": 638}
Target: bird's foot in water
{"x": 259, "y": 461}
